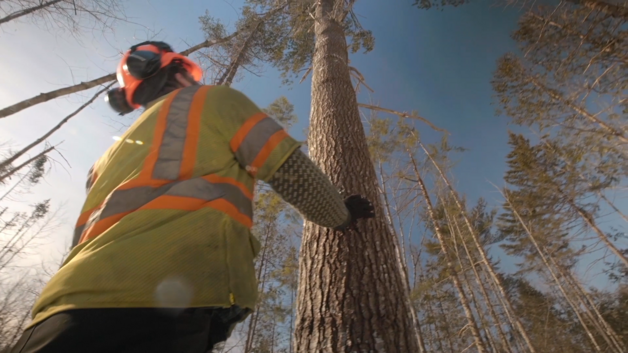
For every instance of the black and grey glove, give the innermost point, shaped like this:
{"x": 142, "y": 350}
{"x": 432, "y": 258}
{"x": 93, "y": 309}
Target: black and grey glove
{"x": 359, "y": 207}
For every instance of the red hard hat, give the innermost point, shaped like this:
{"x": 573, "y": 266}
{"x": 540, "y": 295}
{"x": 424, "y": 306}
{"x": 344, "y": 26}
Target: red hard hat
{"x": 164, "y": 56}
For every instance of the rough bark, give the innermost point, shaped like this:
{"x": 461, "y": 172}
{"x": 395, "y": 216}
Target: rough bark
{"x": 351, "y": 294}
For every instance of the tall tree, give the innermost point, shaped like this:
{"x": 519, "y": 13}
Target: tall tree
{"x": 351, "y": 292}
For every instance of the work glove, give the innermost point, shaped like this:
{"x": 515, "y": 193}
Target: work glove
{"x": 359, "y": 207}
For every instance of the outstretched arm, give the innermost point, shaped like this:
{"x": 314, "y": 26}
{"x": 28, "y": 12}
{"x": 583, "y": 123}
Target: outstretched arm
{"x": 303, "y": 185}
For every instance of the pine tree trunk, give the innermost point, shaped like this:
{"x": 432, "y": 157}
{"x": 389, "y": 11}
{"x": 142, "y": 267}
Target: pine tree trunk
{"x": 261, "y": 278}
{"x": 617, "y": 11}
{"x": 401, "y": 251}
{"x": 553, "y": 274}
{"x": 230, "y": 72}
{"x": 351, "y": 294}
{"x": 595, "y": 316}
{"x": 482, "y": 252}
{"x": 443, "y": 315}
{"x": 487, "y": 299}
{"x": 475, "y": 332}
{"x": 591, "y": 223}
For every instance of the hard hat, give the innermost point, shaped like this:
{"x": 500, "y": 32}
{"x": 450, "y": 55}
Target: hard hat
{"x": 140, "y": 62}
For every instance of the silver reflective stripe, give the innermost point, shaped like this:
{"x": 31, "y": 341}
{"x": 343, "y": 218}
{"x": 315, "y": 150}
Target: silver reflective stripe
{"x": 78, "y": 231}
{"x": 124, "y": 201}
{"x": 255, "y": 140}
{"x": 173, "y": 143}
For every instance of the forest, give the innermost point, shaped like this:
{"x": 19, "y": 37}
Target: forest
{"x": 543, "y": 269}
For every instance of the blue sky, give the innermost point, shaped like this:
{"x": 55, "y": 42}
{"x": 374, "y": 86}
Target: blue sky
{"x": 436, "y": 62}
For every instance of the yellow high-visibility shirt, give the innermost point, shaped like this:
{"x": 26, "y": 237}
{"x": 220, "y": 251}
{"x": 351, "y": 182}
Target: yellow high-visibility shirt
{"x": 167, "y": 218}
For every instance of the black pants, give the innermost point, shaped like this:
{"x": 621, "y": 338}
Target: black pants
{"x": 122, "y": 330}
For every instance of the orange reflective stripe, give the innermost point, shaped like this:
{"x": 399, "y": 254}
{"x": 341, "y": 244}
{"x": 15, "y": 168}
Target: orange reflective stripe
{"x": 233, "y": 212}
{"x": 218, "y": 179}
{"x": 241, "y": 134}
{"x": 187, "y": 195}
{"x": 192, "y": 204}
{"x": 160, "y": 129}
{"x": 101, "y": 226}
{"x": 263, "y": 155}
{"x": 192, "y": 133}
{"x": 85, "y": 216}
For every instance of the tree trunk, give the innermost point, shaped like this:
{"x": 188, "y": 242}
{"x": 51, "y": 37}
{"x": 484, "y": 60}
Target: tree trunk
{"x": 556, "y": 280}
{"x": 487, "y": 298}
{"x": 613, "y": 131}
{"x": 351, "y": 293}
{"x": 595, "y": 316}
{"x": 475, "y": 332}
{"x": 591, "y": 223}
{"x": 401, "y": 256}
{"x": 613, "y": 10}
{"x": 230, "y": 72}
{"x": 24, "y": 12}
{"x": 12, "y": 171}
{"x": 261, "y": 278}
{"x": 482, "y": 252}
{"x": 21, "y": 152}
{"x": 44, "y": 97}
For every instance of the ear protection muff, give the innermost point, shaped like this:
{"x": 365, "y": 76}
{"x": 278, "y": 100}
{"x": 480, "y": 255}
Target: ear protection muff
{"x": 117, "y": 100}
{"x": 143, "y": 64}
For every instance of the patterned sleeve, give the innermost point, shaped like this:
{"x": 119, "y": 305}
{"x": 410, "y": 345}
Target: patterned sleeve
{"x": 303, "y": 185}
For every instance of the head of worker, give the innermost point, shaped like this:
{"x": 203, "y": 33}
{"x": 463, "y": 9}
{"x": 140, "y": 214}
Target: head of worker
{"x": 150, "y": 70}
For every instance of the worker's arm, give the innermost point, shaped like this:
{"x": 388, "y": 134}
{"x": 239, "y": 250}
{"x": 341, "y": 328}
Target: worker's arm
{"x": 264, "y": 149}
{"x": 303, "y": 185}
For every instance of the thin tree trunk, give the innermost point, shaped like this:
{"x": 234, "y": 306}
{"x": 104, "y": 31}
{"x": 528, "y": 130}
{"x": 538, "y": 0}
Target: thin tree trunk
{"x": 44, "y": 97}
{"x": 489, "y": 305}
{"x": 248, "y": 345}
{"x": 604, "y": 327}
{"x": 401, "y": 251}
{"x": 351, "y": 292}
{"x": 486, "y": 327}
{"x": 450, "y": 266}
{"x": 15, "y": 186}
{"x": 443, "y": 315}
{"x": 230, "y": 72}
{"x": 24, "y": 12}
{"x": 594, "y": 119}
{"x": 482, "y": 252}
{"x": 19, "y": 153}
{"x": 29, "y": 161}
{"x": 591, "y": 223}
{"x": 613, "y": 10}
{"x": 549, "y": 268}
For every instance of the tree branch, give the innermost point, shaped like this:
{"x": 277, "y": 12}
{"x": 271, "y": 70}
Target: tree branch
{"x": 402, "y": 115}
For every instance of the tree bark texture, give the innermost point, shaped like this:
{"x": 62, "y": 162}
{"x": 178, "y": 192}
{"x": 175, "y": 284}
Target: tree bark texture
{"x": 351, "y": 294}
